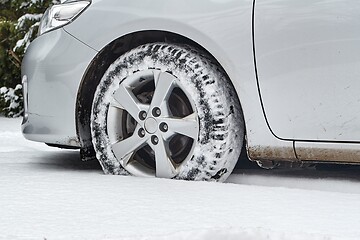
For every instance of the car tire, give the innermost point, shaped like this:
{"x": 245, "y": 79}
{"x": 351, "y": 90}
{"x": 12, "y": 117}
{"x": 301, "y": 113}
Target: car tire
{"x": 169, "y": 111}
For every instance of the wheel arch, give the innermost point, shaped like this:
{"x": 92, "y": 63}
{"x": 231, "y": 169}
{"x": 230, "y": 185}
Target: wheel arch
{"x": 100, "y": 64}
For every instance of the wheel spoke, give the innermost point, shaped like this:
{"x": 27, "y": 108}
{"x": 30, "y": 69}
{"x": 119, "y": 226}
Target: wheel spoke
{"x": 187, "y": 126}
{"x": 125, "y": 148}
{"x": 163, "y": 87}
{"x": 164, "y": 166}
{"x": 125, "y": 161}
{"x": 125, "y": 99}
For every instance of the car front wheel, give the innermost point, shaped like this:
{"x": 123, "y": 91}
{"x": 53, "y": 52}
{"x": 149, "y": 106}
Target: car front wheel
{"x": 168, "y": 111}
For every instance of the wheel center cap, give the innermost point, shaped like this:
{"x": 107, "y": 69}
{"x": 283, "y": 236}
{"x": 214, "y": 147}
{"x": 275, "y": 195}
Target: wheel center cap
{"x": 151, "y": 125}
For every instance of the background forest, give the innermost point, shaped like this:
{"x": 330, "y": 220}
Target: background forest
{"x": 19, "y": 21}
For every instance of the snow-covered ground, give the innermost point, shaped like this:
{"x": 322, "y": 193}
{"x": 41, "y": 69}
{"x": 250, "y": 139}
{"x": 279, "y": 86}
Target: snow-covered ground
{"x": 46, "y": 193}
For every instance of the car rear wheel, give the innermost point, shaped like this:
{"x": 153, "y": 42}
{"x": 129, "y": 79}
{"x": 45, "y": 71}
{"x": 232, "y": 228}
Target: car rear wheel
{"x": 168, "y": 111}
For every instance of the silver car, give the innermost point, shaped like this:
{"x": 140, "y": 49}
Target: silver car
{"x": 176, "y": 89}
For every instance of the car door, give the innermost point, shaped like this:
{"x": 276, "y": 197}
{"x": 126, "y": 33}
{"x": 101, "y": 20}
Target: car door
{"x": 308, "y": 67}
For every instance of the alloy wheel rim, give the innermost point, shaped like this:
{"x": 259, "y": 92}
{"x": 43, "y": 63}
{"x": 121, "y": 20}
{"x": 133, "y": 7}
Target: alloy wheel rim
{"x": 152, "y": 124}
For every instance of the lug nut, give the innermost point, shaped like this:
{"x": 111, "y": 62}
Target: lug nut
{"x": 142, "y": 115}
{"x": 164, "y": 127}
{"x": 154, "y": 140}
{"x": 141, "y": 132}
{"x": 156, "y": 112}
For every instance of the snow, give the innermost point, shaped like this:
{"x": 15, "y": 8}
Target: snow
{"x": 47, "y": 193}
{"x": 11, "y": 97}
{"x": 25, "y": 41}
{"x": 3, "y": 90}
{"x": 27, "y": 17}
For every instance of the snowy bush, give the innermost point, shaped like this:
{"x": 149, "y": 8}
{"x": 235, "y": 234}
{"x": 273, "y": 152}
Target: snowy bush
{"x": 11, "y": 101}
{"x": 31, "y": 29}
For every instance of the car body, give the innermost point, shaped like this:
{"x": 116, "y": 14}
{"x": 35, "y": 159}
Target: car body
{"x": 293, "y": 64}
